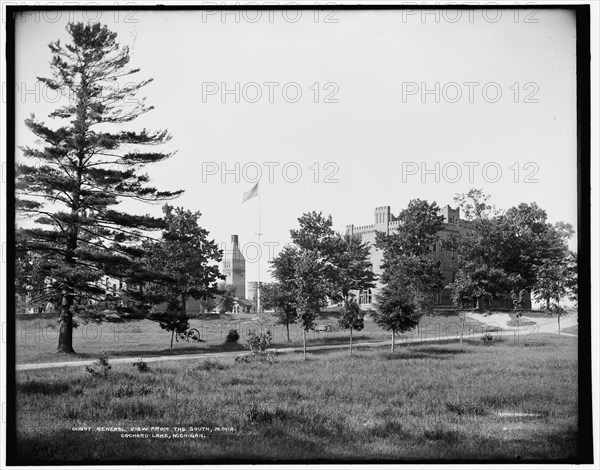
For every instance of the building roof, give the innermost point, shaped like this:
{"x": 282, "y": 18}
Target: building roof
{"x": 244, "y": 303}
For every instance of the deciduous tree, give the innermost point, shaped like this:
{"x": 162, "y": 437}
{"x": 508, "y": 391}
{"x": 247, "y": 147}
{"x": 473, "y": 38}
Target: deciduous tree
{"x": 225, "y": 297}
{"x": 352, "y": 318}
{"x": 283, "y": 302}
{"x": 186, "y": 257}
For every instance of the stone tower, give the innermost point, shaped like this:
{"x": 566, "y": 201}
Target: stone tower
{"x": 234, "y": 267}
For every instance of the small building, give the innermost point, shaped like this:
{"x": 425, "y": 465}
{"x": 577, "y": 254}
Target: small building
{"x": 243, "y": 306}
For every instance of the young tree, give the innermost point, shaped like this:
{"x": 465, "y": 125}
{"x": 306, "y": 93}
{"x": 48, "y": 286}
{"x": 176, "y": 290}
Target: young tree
{"x": 173, "y": 319}
{"x": 275, "y": 296}
{"x": 352, "y": 268}
{"x": 406, "y": 259}
{"x": 225, "y": 298}
{"x": 572, "y": 278}
{"x": 352, "y": 318}
{"x": 396, "y": 310}
{"x": 310, "y": 291}
{"x": 186, "y": 257}
{"x": 555, "y": 273}
{"x": 83, "y": 171}
{"x": 208, "y": 304}
{"x": 463, "y": 296}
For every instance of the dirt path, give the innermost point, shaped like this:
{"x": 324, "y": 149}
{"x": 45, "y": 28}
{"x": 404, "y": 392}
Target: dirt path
{"x": 129, "y": 360}
{"x": 542, "y": 324}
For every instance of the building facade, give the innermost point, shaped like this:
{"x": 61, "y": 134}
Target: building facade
{"x": 385, "y": 222}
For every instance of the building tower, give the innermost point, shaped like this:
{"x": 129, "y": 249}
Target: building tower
{"x": 234, "y": 268}
{"x": 253, "y": 294}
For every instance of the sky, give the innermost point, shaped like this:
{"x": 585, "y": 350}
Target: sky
{"x": 341, "y": 112}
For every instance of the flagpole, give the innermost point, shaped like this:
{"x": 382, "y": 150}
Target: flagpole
{"x": 259, "y": 256}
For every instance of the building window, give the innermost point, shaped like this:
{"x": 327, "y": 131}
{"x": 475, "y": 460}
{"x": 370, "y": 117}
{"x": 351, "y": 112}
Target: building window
{"x": 365, "y": 297}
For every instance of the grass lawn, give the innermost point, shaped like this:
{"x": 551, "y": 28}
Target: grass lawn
{"x": 513, "y": 401}
{"x": 36, "y": 337}
{"x": 572, "y": 330}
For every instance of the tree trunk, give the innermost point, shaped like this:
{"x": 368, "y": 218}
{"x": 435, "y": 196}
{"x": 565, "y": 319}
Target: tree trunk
{"x": 183, "y": 304}
{"x": 393, "y": 339}
{"x": 65, "y": 335}
{"x": 172, "y": 336}
{"x": 462, "y": 327}
{"x": 304, "y": 342}
{"x": 558, "y": 318}
{"x": 547, "y": 303}
{"x": 287, "y": 327}
{"x": 351, "y": 341}
{"x": 478, "y": 304}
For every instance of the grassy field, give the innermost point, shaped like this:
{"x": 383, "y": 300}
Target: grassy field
{"x": 36, "y": 337}
{"x": 511, "y": 400}
{"x": 572, "y": 330}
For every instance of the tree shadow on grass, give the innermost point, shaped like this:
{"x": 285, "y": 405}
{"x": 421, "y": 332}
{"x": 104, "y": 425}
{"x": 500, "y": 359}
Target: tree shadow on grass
{"x": 425, "y": 352}
{"x": 179, "y": 351}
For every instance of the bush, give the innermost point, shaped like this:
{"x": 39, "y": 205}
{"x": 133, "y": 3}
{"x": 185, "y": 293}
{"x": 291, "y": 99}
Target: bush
{"x": 260, "y": 414}
{"x": 126, "y": 391}
{"x": 465, "y": 408}
{"x": 100, "y": 368}
{"x": 141, "y": 366}
{"x": 209, "y": 365}
{"x": 258, "y": 343}
{"x": 232, "y": 337}
{"x": 487, "y": 339}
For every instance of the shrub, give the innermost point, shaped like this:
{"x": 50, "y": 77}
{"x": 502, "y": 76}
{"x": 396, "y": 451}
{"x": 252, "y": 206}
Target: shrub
{"x": 209, "y": 365}
{"x": 487, "y": 339}
{"x": 232, "y": 336}
{"x": 465, "y": 408}
{"x": 100, "y": 368}
{"x": 141, "y": 366}
{"x": 258, "y": 343}
{"x": 261, "y": 414}
{"x": 130, "y": 391}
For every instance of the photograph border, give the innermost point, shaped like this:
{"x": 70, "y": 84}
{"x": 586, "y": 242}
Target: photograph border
{"x": 582, "y": 13}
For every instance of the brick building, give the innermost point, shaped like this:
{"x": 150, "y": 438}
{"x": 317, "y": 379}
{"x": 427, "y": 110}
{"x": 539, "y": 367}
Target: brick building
{"x": 386, "y": 223}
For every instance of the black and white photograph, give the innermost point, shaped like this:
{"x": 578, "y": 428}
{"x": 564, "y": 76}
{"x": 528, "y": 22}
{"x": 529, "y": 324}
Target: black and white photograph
{"x": 306, "y": 233}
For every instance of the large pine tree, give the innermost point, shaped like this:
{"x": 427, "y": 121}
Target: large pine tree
{"x": 89, "y": 162}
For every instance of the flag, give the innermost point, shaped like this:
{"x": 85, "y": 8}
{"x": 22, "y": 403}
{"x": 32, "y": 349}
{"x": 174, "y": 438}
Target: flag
{"x": 253, "y": 192}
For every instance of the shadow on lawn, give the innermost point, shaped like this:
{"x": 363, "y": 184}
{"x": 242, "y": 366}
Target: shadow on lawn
{"x": 179, "y": 351}
{"x": 426, "y": 352}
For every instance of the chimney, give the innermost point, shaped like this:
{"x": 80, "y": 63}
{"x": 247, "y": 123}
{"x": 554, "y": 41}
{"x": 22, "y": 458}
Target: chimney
{"x": 234, "y": 241}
